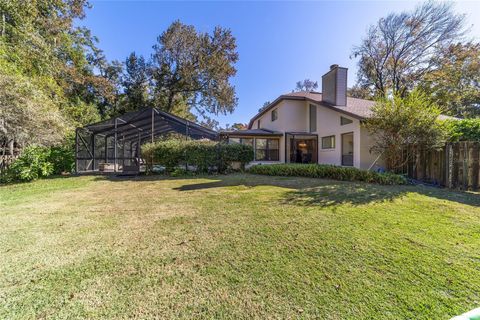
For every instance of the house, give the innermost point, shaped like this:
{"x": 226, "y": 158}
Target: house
{"x": 312, "y": 127}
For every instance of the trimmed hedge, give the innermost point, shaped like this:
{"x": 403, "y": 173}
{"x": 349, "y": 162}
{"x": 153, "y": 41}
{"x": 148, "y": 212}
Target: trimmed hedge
{"x": 204, "y": 155}
{"x": 329, "y": 172}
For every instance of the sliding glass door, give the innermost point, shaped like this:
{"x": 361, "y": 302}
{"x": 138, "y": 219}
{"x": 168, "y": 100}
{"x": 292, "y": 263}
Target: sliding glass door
{"x": 301, "y": 148}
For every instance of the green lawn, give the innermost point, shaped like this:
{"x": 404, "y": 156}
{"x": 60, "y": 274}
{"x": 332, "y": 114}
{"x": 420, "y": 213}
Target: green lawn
{"x": 239, "y": 246}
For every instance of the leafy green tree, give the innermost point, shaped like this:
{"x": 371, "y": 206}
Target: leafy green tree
{"x": 194, "y": 68}
{"x": 463, "y": 129}
{"x": 399, "y": 122}
{"x": 455, "y": 83}
{"x": 135, "y": 81}
{"x": 398, "y": 51}
{"x": 48, "y": 64}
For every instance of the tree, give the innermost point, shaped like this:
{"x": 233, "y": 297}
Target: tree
{"x": 40, "y": 40}
{"x": 239, "y": 126}
{"x": 194, "y": 68}
{"x": 306, "y": 85}
{"x": 236, "y": 126}
{"x": 27, "y": 115}
{"x": 400, "y": 49}
{"x": 359, "y": 92}
{"x": 399, "y": 122}
{"x": 135, "y": 82}
{"x": 455, "y": 83}
{"x": 48, "y": 63}
{"x": 265, "y": 106}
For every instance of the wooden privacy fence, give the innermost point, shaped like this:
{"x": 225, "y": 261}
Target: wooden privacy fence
{"x": 456, "y": 166}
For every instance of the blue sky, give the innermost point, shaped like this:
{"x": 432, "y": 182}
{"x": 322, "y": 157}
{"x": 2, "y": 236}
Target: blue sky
{"x": 279, "y": 43}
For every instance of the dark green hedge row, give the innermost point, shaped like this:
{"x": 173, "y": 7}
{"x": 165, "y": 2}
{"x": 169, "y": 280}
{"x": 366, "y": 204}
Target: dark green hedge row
{"x": 205, "y": 155}
{"x": 327, "y": 171}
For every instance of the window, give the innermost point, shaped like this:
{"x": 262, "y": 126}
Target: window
{"x": 328, "y": 142}
{"x": 247, "y": 141}
{"x": 267, "y": 150}
{"x": 274, "y": 115}
{"x": 313, "y": 118}
{"x": 258, "y": 124}
{"x": 344, "y": 121}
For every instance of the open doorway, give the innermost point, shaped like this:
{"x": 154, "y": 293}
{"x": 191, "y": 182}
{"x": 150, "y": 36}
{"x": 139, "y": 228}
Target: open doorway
{"x": 302, "y": 148}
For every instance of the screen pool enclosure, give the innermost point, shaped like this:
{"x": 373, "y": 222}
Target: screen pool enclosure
{"x": 113, "y": 145}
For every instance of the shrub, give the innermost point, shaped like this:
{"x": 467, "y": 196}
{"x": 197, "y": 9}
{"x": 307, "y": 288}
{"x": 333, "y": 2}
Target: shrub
{"x": 329, "y": 172}
{"x": 31, "y": 165}
{"x": 229, "y": 153}
{"x": 463, "y": 130}
{"x": 201, "y": 154}
{"x": 39, "y": 162}
{"x": 204, "y": 155}
{"x": 399, "y": 121}
{"x": 167, "y": 153}
{"x": 62, "y": 158}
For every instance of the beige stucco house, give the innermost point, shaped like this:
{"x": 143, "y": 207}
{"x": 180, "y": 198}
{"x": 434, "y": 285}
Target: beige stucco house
{"x": 312, "y": 127}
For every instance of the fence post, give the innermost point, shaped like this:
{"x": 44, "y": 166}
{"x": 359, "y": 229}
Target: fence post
{"x": 465, "y": 169}
{"x": 76, "y": 150}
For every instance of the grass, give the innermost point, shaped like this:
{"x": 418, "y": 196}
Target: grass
{"x": 238, "y": 246}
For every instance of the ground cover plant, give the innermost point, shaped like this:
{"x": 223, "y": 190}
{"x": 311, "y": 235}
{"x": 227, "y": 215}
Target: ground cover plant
{"x": 238, "y": 246}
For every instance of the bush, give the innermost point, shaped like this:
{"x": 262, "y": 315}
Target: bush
{"x": 329, "y": 172}
{"x": 463, "y": 130}
{"x": 39, "y": 162}
{"x": 230, "y": 153}
{"x": 204, "y": 155}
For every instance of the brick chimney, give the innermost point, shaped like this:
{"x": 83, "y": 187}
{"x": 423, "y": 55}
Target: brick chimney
{"x": 334, "y": 86}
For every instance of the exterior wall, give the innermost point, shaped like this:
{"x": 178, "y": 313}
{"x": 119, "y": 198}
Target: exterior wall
{"x": 293, "y": 116}
{"x": 328, "y": 124}
{"x": 367, "y": 158}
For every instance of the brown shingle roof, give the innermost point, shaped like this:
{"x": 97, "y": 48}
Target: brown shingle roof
{"x": 357, "y": 108}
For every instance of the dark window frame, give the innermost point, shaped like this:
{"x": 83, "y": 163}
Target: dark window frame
{"x": 268, "y": 150}
{"x": 345, "y": 121}
{"x": 274, "y": 114}
{"x": 334, "y": 142}
{"x": 312, "y": 122}
{"x": 343, "y": 162}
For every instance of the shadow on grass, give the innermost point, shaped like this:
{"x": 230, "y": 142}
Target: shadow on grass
{"x": 338, "y": 193}
{"x": 312, "y": 192}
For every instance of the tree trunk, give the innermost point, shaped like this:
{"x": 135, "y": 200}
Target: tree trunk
{"x": 3, "y": 24}
{"x": 170, "y": 101}
{"x": 11, "y": 144}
